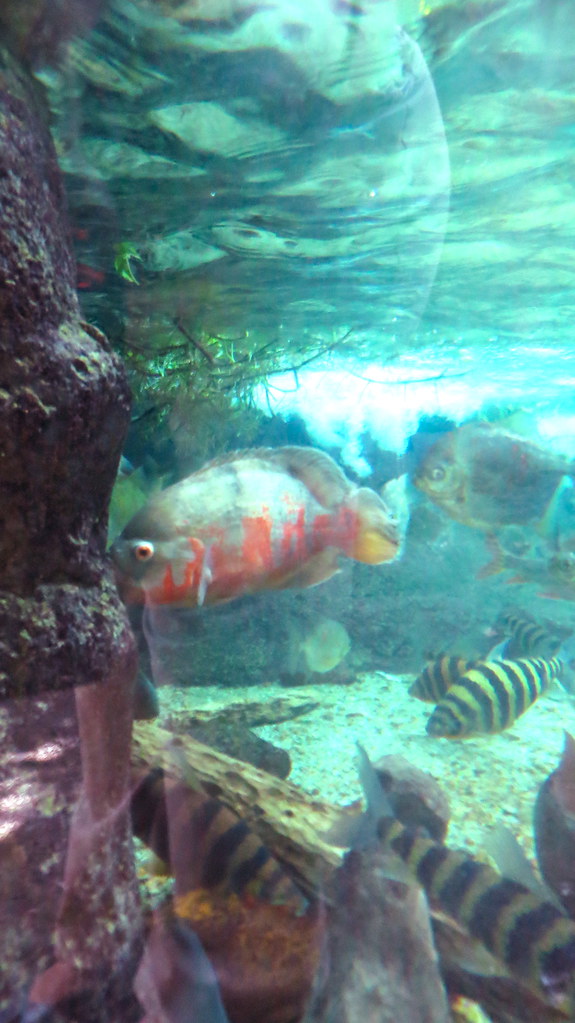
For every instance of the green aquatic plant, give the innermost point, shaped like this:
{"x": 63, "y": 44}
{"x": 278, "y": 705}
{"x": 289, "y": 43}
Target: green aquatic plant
{"x": 199, "y": 387}
{"x": 125, "y": 253}
{"x": 180, "y": 359}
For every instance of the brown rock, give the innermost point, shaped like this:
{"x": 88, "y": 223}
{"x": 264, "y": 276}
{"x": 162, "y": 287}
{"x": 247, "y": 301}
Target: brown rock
{"x": 64, "y": 407}
{"x": 381, "y": 964}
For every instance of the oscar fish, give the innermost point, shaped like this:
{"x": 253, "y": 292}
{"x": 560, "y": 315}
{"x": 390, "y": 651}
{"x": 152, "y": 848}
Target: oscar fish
{"x": 267, "y": 518}
{"x": 438, "y": 676}
{"x": 487, "y": 477}
{"x": 491, "y": 696}
{"x": 528, "y": 935}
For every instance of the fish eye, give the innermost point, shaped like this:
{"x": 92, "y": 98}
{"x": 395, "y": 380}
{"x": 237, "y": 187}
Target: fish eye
{"x": 143, "y": 550}
{"x": 438, "y": 473}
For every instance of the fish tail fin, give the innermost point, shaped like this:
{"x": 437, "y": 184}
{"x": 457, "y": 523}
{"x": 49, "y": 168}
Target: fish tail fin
{"x": 566, "y": 651}
{"x": 497, "y": 563}
{"x": 377, "y": 537}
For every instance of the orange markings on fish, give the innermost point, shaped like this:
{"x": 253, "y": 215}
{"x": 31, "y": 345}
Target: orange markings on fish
{"x": 267, "y": 518}
{"x": 257, "y": 542}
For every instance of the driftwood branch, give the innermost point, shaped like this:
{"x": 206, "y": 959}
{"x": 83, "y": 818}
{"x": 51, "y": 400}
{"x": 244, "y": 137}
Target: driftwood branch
{"x": 289, "y": 821}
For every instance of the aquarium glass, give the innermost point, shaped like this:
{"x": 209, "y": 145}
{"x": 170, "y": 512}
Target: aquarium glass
{"x": 332, "y": 244}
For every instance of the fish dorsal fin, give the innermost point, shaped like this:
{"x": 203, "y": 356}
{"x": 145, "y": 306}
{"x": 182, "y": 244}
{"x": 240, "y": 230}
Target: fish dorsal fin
{"x": 521, "y": 422}
{"x": 512, "y": 862}
{"x": 316, "y": 469}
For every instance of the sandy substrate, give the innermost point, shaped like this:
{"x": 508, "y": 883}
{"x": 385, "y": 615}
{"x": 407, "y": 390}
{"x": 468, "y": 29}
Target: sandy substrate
{"x": 487, "y": 779}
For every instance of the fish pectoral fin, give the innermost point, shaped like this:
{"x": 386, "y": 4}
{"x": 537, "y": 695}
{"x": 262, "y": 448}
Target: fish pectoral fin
{"x": 316, "y": 570}
{"x": 459, "y": 946}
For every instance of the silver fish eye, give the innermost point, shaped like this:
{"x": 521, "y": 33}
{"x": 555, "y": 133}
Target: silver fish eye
{"x": 438, "y": 473}
{"x": 143, "y": 550}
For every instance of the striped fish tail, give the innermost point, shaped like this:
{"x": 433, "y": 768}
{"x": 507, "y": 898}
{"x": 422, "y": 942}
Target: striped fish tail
{"x": 530, "y": 639}
{"x": 529, "y": 935}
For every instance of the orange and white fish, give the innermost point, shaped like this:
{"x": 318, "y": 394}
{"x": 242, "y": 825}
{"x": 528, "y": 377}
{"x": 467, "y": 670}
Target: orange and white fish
{"x": 266, "y": 518}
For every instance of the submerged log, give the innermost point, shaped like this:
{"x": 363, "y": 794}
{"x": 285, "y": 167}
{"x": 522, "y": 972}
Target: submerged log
{"x": 250, "y": 713}
{"x": 377, "y": 928}
{"x": 228, "y": 728}
{"x": 291, "y": 823}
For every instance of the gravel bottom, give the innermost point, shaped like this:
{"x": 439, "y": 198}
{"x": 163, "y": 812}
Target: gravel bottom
{"x": 487, "y": 778}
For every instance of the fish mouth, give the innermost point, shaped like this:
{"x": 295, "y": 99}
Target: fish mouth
{"x": 129, "y": 591}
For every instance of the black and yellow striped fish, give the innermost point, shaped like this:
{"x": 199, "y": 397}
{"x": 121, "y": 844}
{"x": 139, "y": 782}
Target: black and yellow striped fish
{"x": 529, "y": 935}
{"x": 205, "y": 845}
{"x": 438, "y": 676}
{"x": 491, "y": 696}
{"x": 526, "y": 637}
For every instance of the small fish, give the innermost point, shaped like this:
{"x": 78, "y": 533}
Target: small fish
{"x": 491, "y": 696}
{"x": 267, "y": 518}
{"x": 531, "y": 938}
{"x": 262, "y": 935}
{"x": 205, "y": 845}
{"x": 486, "y": 477}
{"x": 438, "y": 676}
{"x": 526, "y": 637}
{"x": 555, "y": 572}
{"x": 89, "y": 278}
{"x": 326, "y": 645}
{"x": 554, "y": 827}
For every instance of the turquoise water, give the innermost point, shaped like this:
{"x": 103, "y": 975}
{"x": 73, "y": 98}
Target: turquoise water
{"x": 345, "y": 227}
